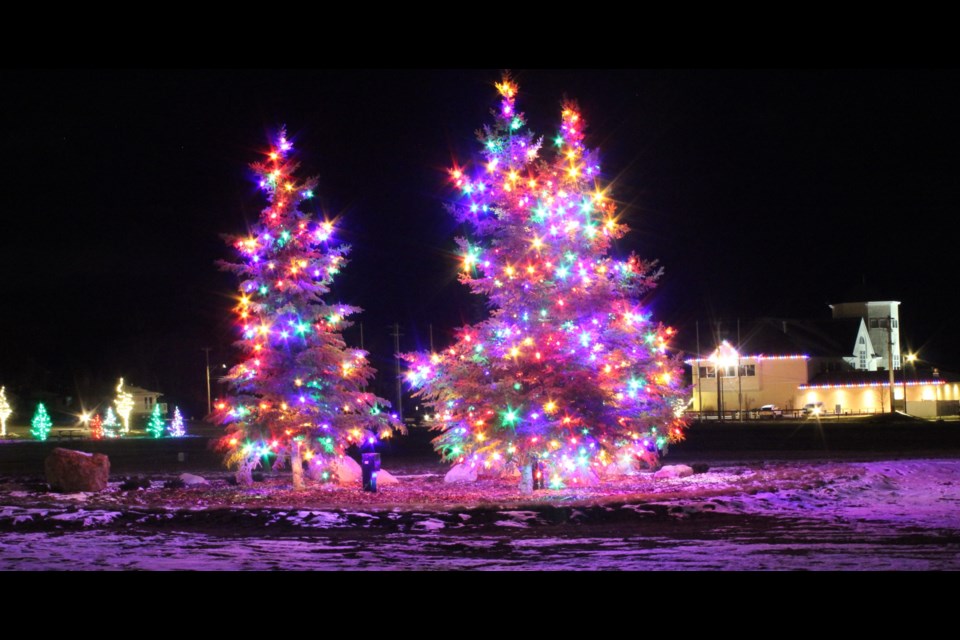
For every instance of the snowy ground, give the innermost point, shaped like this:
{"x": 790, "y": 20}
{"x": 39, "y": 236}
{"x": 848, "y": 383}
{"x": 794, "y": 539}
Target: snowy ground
{"x": 877, "y": 515}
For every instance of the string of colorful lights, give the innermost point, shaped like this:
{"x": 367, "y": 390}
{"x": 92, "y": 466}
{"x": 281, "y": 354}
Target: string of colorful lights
{"x": 299, "y": 390}
{"x": 570, "y": 370}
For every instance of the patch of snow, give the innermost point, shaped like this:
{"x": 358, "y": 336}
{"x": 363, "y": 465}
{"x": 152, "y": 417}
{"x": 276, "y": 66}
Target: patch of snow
{"x": 430, "y": 524}
{"x": 191, "y": 480}
{"x": 673, "y": 471}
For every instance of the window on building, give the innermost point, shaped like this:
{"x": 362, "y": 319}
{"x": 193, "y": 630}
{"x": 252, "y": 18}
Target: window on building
{"x": 863, "y": 340}
{"x": 863, "y": 359}
{"x": 707, "y": 372}
{"x": 895, "y": 323}
{"x": 896, "y": 361}
{"x": 748, "y": 370}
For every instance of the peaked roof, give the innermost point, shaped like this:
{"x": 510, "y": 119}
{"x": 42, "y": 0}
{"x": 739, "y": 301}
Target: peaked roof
{"x": 829, "y": 338}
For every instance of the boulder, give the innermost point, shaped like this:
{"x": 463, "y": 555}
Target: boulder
{"x": 73, "y": 471}
{"x": 349, "y": 471}
{"x": 190, "y": 480}
{"x": 673, "y": 471}
{"x": 384, "y": 478}
{"x": 461, "y": 473}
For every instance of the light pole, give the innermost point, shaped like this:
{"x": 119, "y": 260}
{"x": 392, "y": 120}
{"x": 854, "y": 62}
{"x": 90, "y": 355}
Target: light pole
{"x": 206, "y": 352}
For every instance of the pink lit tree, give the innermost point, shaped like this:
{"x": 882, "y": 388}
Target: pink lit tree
{"x": 299, "y": 393}
{"x": 570, "y": 374}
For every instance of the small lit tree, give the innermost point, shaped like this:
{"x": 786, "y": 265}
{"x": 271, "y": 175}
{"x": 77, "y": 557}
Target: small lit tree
{"x": 111, "y": 428}
{"x": 177, "y": 429}
{"x": 5, "y": 411}
{"x": 41, "y": 424}
{"x": 96, "y": 427}
{"x": 124, "y": 402}
{"x": 156, "y": 425}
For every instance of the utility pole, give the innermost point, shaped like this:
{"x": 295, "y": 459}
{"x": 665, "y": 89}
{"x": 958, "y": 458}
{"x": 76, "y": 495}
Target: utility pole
{"x": 396, "y": 354}
{"x": 739, "y": 380}
{"x": 890, "y": 356}
{"x": 699, "y": 377}
{"x": 431, "y": 337}
{"x": 206, "y": 352}
{"x": 361, "y": 336}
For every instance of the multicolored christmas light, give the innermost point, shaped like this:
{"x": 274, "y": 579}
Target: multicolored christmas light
{"x": 299, "y": 391}
{"x": 41, "y": 424}
{"x": 5, "y": 411}
{"x": 570, "y": 371}
{"x": 177, "y": 429}
{"x": 156, "y": 426}
{"x": 124, "y": 402}
{"x": 96, "y": 427}
{"x": 111, "y": 428}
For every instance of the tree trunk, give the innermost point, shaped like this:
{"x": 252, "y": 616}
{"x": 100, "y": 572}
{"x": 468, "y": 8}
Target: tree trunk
{"x": 245, "y": 472}
{"x": 526, "y": 477}
{"x": 296, "y": 464}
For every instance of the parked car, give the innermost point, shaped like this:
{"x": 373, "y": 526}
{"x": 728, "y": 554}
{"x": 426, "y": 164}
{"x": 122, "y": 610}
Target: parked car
{"x": 769, "y": 411}
{"x": 813, "y": 408}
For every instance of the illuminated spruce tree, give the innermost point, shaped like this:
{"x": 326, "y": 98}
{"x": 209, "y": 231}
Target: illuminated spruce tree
{"x": 6, "y": 410}
{"x": 299, "y": 393}
{"x": 570, "y": 373}
{"x": 96, "y": 427}
{"x": 155, "y": 425}
{"x": 40, "y": 424}
{"x": 111, "y": 428}
{"x": 177, "y": 430}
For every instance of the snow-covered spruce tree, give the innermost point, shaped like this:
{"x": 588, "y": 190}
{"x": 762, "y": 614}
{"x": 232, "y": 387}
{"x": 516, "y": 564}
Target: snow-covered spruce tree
{"x": 570, "y": 374}
{"x": 299, "y": 392}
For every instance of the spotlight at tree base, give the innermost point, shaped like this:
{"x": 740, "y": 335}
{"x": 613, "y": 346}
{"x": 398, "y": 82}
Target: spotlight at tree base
{"x": 298, "y": 394}
{"x": 570, "y": 377}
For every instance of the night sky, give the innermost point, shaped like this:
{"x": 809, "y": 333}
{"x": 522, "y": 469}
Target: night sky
{"x": 760, "y": 192}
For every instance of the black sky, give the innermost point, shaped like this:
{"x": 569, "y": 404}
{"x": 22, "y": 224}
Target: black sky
{"x": 760, "y": 193}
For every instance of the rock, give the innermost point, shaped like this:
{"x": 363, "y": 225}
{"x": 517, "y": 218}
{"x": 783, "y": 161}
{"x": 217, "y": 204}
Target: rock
{"x": 700, "y": 467}
{"x": 384, "y": 478}
{"x": 349, "y": 471}
{"x": 72, "y": 471}
{"x": 461, "y": 473}
{"x": 673, "y": 471}
{"x": 190, "y": 480}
